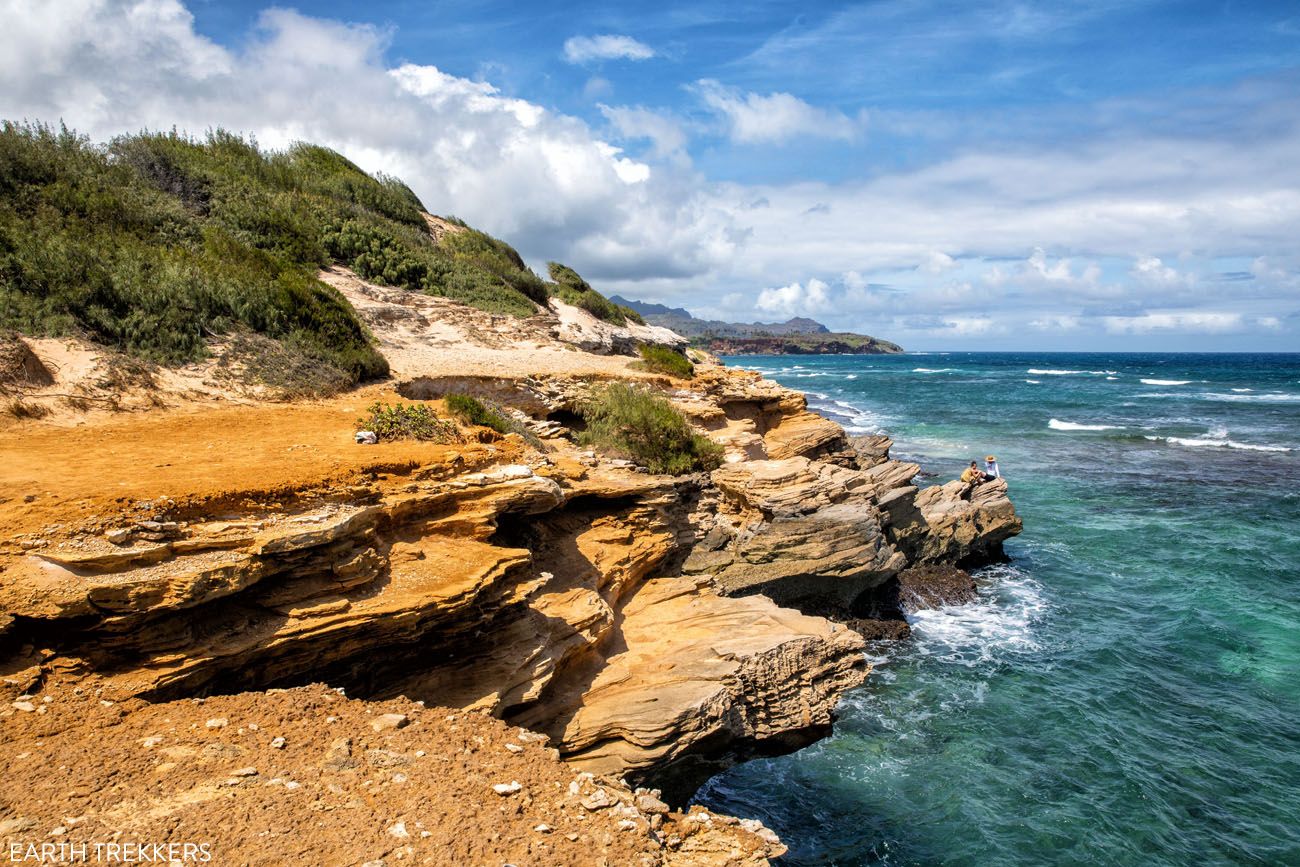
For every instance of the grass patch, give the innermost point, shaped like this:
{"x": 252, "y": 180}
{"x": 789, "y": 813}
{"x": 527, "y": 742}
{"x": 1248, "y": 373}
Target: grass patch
{"x": 570, "y": 288}
{"x": 406, "y": 421}
{"x": 471, "y": 410}
{"x": 485, "y": 413}
{"x": 661, "y": 359}
{"x": 644, "y": 427}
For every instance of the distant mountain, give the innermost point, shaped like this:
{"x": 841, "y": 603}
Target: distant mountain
{"x": 797, "y": 336}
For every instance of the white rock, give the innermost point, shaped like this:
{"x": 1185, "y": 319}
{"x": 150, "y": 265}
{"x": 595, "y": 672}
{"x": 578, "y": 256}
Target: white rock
{"x": 399, "y": 831}
{"x": 507, "y": 789}
{"x": 25, "y": 706}
{"x": 218, "y": 722}
{"x": 514, "y": 748}
{"x": 389, "y": 722}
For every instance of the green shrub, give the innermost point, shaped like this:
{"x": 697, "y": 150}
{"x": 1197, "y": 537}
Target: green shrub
{"x": 660, "y": 359}
{"x": 487, "y": 414}
{"x": 156, "y": 243}
{"x": 563, "y": 275}
{"x": 407, "y": 421}
{"x": 471, "y": 410}
{"x": 570, "y": 288}
{"x": 645, "y": 428}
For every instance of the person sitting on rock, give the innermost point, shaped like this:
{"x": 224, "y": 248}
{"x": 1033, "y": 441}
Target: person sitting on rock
{"x": 972, "y": 477}
{"x": 991, "y": 470}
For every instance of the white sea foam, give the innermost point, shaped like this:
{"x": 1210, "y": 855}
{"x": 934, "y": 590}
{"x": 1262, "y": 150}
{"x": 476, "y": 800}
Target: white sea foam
{"x": 1057, "y": 424}
{"x": 1002, "y": 619}
{"x": 1053, "y": 371}
{"x": 934, "y": 370}
{"x": 1034, "y": 381}
{"x": 1217, "y": 438}
{"x": 1242, "y": 390}
{"x": 1112, "y": 377}
{"x": 1266, "y": 397}
{"x": 851, "y": 376}
{"x": 1165, "y": 381}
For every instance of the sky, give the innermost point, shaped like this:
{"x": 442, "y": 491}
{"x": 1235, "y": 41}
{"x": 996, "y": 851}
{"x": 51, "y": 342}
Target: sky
{"x": 981, "y": 175}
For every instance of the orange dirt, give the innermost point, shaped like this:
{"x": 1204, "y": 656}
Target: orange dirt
{"x": 200, "y": 455}
{"x": 340, "y": 788}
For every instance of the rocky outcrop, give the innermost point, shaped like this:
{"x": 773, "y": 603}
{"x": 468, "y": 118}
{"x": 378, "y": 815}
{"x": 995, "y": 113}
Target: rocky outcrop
{"x": 940, "y": 525}
{"x": 643, "y": 623}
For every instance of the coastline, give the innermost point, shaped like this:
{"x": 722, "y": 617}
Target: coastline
{"x": 295, "y": 556}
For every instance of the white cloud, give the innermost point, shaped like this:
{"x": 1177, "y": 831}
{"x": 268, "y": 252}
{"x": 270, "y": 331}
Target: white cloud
{"x": 753, "y": 118}
{"x": 795, "y": 299}
{"x": 1055, "y": 323}
{"x": 666, "y": 135}
{"x": 936, "y": 262}
{"x": 608, "y": 46}
{"x": 1190, "y": 323}
{"x": 1153, "y": 272}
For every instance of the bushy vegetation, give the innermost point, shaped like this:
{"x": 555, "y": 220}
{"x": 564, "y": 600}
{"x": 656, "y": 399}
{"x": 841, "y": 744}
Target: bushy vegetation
{"x": 156, "y": 242}
{"x": 570, "y": 288}
{"x": 407, "y": 421}
{"x": 471, "y": 410}
{"x": 644, "y": 427}
{"x": 660, "y": 359}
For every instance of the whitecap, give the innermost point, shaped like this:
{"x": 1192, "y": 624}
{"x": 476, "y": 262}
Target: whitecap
{"x": 1041, "y": 371}
{"x": 934, "y": 370}
{"x": 1242, "y": 390}
{"x": 1165, "y": 381}
{"x": 1057, "y": 424}
{"x": 1210, "y": 441}
{"x": 1112, "y": 377}
{"x": 851, "y": 376}
{"x": 1034, "y": 381}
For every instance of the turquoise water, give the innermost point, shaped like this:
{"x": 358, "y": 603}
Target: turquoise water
{"x": 1127, "y": 689}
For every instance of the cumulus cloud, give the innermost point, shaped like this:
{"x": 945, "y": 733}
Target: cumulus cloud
{"x": 608, "y": 46}
{"x": 937, "y": 262}
{"x": 753, "y": 118}
{"x": 1186, "y": 322}
{"x": 667, "y": 138}
{"x": 795, "y": 299}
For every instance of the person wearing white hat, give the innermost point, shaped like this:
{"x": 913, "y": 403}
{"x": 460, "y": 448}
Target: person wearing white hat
{"x": 991, "y": 470}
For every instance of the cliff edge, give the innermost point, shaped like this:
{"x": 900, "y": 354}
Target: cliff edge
{"x": 575, "y": 641}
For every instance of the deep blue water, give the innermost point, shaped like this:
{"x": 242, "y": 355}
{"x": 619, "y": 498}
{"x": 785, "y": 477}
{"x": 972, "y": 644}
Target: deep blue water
{"x": 1127, "y": 690}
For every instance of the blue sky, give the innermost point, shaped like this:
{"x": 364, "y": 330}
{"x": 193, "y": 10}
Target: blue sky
{"x": 977, "y": 175}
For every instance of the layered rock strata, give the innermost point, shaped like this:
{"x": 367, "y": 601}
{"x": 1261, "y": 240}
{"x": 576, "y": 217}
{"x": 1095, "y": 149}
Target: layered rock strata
{"x": 620, "y": 613}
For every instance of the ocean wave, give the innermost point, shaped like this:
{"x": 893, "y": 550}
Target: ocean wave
{"x": 1057, "y": 424}
{"x": 851, "y": 376}
{"x": 1265, "y": 397}
{"x": 934, "y": 370}
{"x": 1034, "y": 381}
{"x": 1242, "y": 390}
{"x": 1165, "y": 381}
{"x": 1001, "y": 620}
{"x": 1210, "y": 441}
{"x": 1054, "y": 371}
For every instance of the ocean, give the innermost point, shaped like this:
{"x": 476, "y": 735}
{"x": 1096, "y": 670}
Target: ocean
{"x": 1126, "y": 690}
